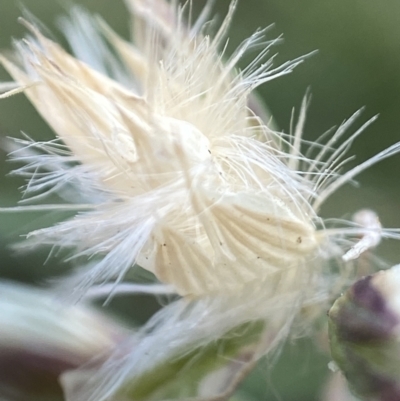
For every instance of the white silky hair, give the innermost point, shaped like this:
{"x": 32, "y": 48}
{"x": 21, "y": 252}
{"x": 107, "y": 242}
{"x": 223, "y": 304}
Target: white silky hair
{"x": 186, "y": 325}
{"x": 89, "y": 46}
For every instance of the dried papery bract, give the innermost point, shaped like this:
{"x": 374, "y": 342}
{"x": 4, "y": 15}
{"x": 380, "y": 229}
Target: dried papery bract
{"x": 178, "y": 175}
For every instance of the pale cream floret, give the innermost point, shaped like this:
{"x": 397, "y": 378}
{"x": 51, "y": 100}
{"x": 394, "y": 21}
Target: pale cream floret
{"x": 198, "y": 190}
{"x": 229, "y": 220}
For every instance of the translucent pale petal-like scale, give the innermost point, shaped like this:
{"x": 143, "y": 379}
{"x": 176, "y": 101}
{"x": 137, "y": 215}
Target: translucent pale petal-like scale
{"x": 235, "y": 243}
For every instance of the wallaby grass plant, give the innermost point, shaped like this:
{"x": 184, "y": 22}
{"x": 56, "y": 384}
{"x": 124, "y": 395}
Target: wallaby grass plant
{"x": 162, "y": 155}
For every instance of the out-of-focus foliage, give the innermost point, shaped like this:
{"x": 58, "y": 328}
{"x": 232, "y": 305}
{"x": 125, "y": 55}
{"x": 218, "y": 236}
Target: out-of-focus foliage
{"x": 358, "y": 64}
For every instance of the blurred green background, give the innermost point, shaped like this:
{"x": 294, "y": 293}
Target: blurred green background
{"x": 358, "y": 64}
